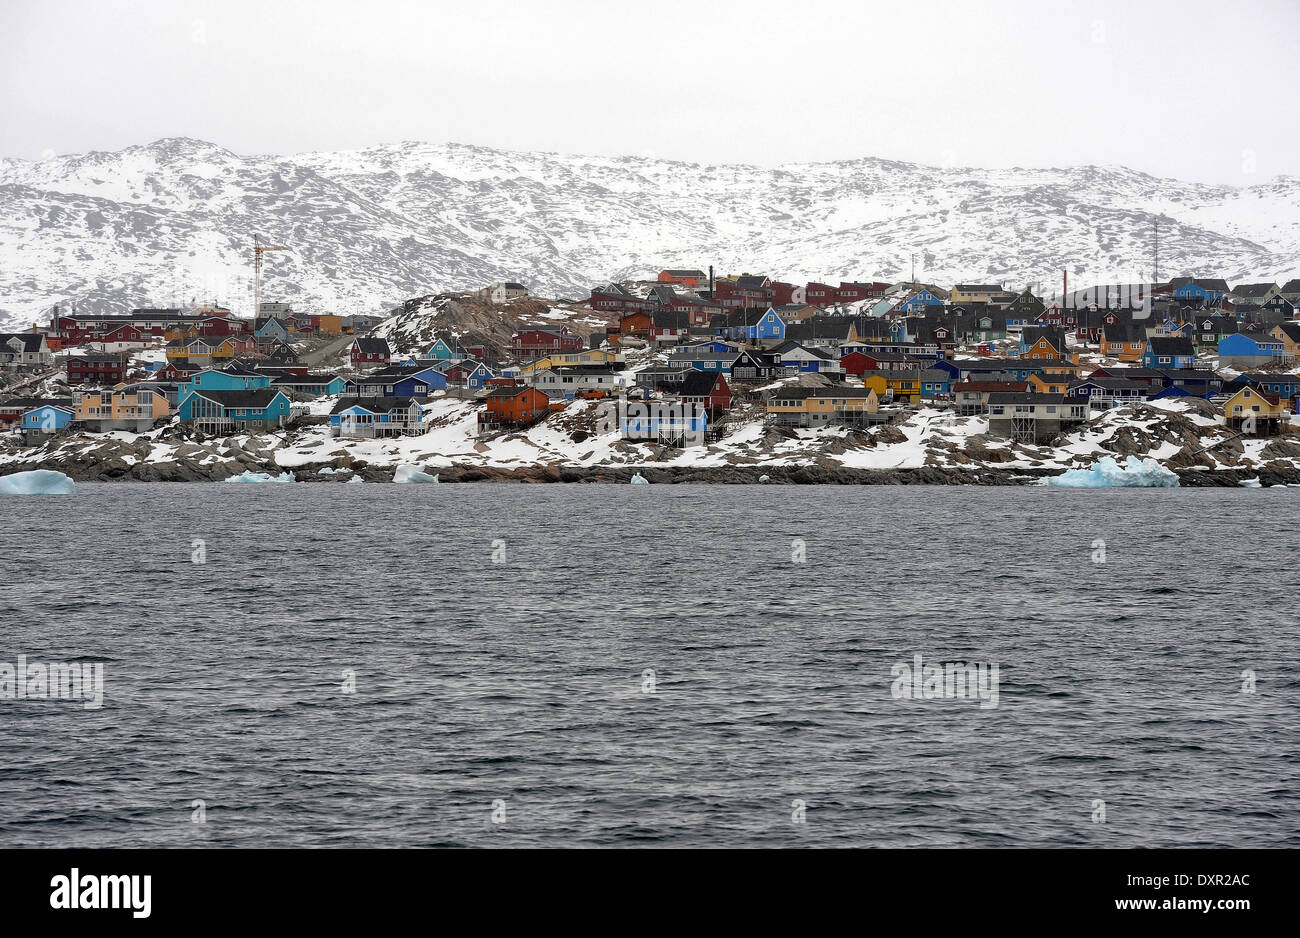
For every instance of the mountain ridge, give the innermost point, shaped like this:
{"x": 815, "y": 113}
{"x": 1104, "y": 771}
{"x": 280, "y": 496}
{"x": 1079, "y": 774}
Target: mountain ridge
{"x": 173, "y": 220}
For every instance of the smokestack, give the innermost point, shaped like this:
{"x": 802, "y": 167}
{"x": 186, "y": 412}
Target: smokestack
{"x": 711, "y": 282}
{"x": 1065, "y": 287}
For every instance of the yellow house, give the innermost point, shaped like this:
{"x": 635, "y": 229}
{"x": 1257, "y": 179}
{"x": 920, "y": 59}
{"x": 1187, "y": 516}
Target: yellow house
{"x": 126, "y": 407}
{"x": 329, "y": 323}
{"x": 813, "y": 407}
{"x": 1249, "y": 402}
{"x": 1288, "y": 333}
{"x": 975, "y": 292}
{"x": 1048, "y": 384}
{"x": 586, "y": 356}
{"x": 905, "y": 383}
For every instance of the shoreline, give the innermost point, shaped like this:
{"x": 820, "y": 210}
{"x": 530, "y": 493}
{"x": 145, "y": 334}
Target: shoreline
{"x": 615, "y": 475}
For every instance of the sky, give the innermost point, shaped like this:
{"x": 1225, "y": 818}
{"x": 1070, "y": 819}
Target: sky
{"x": 1202, "y": 91}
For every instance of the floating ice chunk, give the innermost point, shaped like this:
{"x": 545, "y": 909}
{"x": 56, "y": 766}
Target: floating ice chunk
{"x": 638, "y": 479}
{"x": 329, "y": 471}
{"x": 409, "y": 473}
{"x": 37, "y": 482}
{"x": 1107, "y": 473}
{"x": 248, "y": 475}
{"x": 764, "y": 478}
{"x": 355, "y": 480}
{"x": 1250, "y": 483}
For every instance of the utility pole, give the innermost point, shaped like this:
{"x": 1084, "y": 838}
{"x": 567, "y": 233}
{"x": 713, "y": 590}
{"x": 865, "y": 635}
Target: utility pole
{"x": 1156, "y": 257}
{"x": 258, "y": 249}
{"x": 913, "y": 270}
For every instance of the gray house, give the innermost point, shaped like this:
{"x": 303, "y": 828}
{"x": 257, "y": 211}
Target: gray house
{"x": 1027, "y": 417}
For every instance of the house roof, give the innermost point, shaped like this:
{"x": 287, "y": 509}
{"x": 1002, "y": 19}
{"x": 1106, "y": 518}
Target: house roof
{"x": 699, "y": 383}
{"x": 799, "y": 393}
{"x": 255, "y": 398}
{"x": 1171, "y": 345}
{"x": 30, "y": 341}
{"x": 378, "y": 405}
{"x": 368, "y": 346}
{"x": 1252, "y": 290}
{"x": 1025, "y": 397}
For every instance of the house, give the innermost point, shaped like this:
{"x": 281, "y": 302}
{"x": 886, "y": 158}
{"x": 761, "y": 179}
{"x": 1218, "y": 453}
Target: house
{"x": 1110, "y": 392}
{"x": 534, "y": 343}
{"x": 636, "y": 323}
{"x": 326, "y": 323}
{"x": 1209, "y": 330}
{"x": 750, "y": 325}
{"x": 1206, "y": 292}
{"x": 1246, "y": 350}
{"x": 706, "y": 357}
{"x": 859, "y": 362}
{"x": 1251, "y": 410}
{"x": 1285, "y": 386}
{"x": 44, "y": 420}
{"x": 1044, "y": 383}
{"x": 466, "y": 373}
{"x": 1290, "y": 291}
{"x": 503, "y": 292}
{"x": 135, "y": 408}
{"x": 512, "y": 408}
{"x": 1246, "y": 296}
{"x": 569, "y": 380}
{"x": 370, "y": 417}
{"x": 975, "y": 293}
{"x": 25, "y": 348}
{"x": 820, "y": 294}
{"x": 368, "y": 351}
{"x": 1122, "y": 340}
{"x": 669, "y": 424}
{"x": 271, "y": 330}
{"x": 794, "y": 358}
{"x": 1027, "y": 417}
{"x": 1288, "y": 333}
{"x": 687, "y": 278}
{"x": 815, "y": 407}
{"x": 12, "y": 410}
{"x": 95, "y": 368}
{"x": 707, "y": 389}
{"x": 669, "y": 326}
{"x": 1038, "y": 342}
{"x": 972, "y": 397}
{"x": 203, "y": 350}
{"x": 445, "y": 350}
{"x": 397, "y": 382}
{"x": 1169, "y": 352}
{"x": 218, "y": 411}
{"x": 615, "y": 298}
{"x": 310, "y": 385}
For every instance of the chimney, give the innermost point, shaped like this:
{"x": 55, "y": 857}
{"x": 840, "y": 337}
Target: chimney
{"x": 711, "y": 296}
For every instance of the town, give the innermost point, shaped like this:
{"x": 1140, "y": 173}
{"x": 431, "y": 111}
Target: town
{"x": 673, "y": 359}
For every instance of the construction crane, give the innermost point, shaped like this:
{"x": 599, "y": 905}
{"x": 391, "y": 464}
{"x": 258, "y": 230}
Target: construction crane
{"x": 258, "y": 249}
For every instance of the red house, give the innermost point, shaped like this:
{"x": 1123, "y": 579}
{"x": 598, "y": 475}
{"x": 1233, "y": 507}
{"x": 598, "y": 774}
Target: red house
{"x": 370, "y": 352}
{"x": 821, "y": 294}
{"x": 786, "y": 294}
{"x": 853, "y": 292}
{"x": 687, "y": 278}
{"x": 708, "y": 388}
{"x": 96, "y": 368}
{"x": 637, "y": 324}
{"x": 534, "y": 343}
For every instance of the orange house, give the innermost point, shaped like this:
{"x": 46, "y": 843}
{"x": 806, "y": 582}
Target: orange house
{"x": 687, "y": 278}
{"x": 1124, "y": 341}
{"x": 514, "y": 407}
{"x": 637, "y": 324}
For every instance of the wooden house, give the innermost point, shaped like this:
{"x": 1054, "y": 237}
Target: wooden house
{"x": 223, "y": 411}
{"x": 1027, "y": 417}
{"x": 366, "y": 352}
{"x": 512, "y": 408}
{"x": 372, "y": 417}
{"x": 1250, "y": 404}
{"x": 815, "y": 407}
{"x": 707, "y": 389}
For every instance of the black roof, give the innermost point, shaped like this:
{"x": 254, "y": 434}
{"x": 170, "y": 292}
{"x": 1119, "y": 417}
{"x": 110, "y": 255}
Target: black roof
{"x": 375, "y": 404}
{"x": 253, "y": 397}
{"x": 369, "y": 346}
{"x": 699, "y": 383}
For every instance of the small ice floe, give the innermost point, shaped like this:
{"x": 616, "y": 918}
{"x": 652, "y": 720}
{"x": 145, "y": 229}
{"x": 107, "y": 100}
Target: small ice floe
{"x": 1251, "y": 483}
{"x": 638, "y": 479}
{"x": 37, "y": 482}
{"x": 249, "y": 475}
{"x": 409, "y": 473}
{"x": 1107, "y": 473}
{"x": 330, "y": 470}
{"x": 764, "y": 478}
{"x": 355, "y": 480}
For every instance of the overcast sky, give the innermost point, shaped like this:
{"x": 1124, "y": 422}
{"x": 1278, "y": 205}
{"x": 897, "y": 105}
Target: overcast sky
{"x": 1198, "y": 90}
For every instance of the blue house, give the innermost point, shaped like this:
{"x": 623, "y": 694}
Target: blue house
{"x": 919, "y": 301}
{"x": 210, "y": 379}
{"x": 748, "y": 325}
{"x": 397, "y": 382}
{"x": 1208, "y": 291}
{"x": 311, "y": 385}
{"x": 1168, "y": 351}
{"x": 1285, "y": 386}
{"x": 377, "y": 417}
{"x": 256, "y": 408}
{"x": 935, "y": 382}
{"x": 1249, "y": 349}
{"x": 672, "y": 424}
{"x": 272, "y": 330}
{"x": 46, "y": 418}
{"x": 443, "y": 350}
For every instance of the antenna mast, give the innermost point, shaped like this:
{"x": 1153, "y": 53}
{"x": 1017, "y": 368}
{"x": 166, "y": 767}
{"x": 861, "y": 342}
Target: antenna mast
{"x": 258, "y": 249}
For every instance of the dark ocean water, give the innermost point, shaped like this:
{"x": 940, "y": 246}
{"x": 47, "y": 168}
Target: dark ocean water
{"x": 523, "y": 682}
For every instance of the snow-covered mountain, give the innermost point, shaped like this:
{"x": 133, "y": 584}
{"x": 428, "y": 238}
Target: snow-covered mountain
{"x": 174, "y": 220}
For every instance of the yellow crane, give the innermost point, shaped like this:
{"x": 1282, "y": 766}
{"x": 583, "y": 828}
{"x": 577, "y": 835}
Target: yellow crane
{"x": 258, "y": 249}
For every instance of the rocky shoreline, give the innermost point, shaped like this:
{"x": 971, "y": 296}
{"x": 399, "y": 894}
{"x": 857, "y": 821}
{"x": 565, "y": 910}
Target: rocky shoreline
{"x": 118, "y": 469}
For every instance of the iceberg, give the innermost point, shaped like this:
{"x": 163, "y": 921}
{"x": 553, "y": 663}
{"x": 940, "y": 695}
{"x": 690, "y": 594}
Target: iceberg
{"x": 409, "y": 473}
{"x": 37, "y": 482}
{"x": 355, "y": 480}
{"x": 248, "y": 475}
{"x": 638, "y": 479}
{"x": 329, "y": 470}
{"x": 1107, "y": 473}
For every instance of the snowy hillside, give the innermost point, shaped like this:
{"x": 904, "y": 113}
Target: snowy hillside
{"x": 173, "y": 220}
